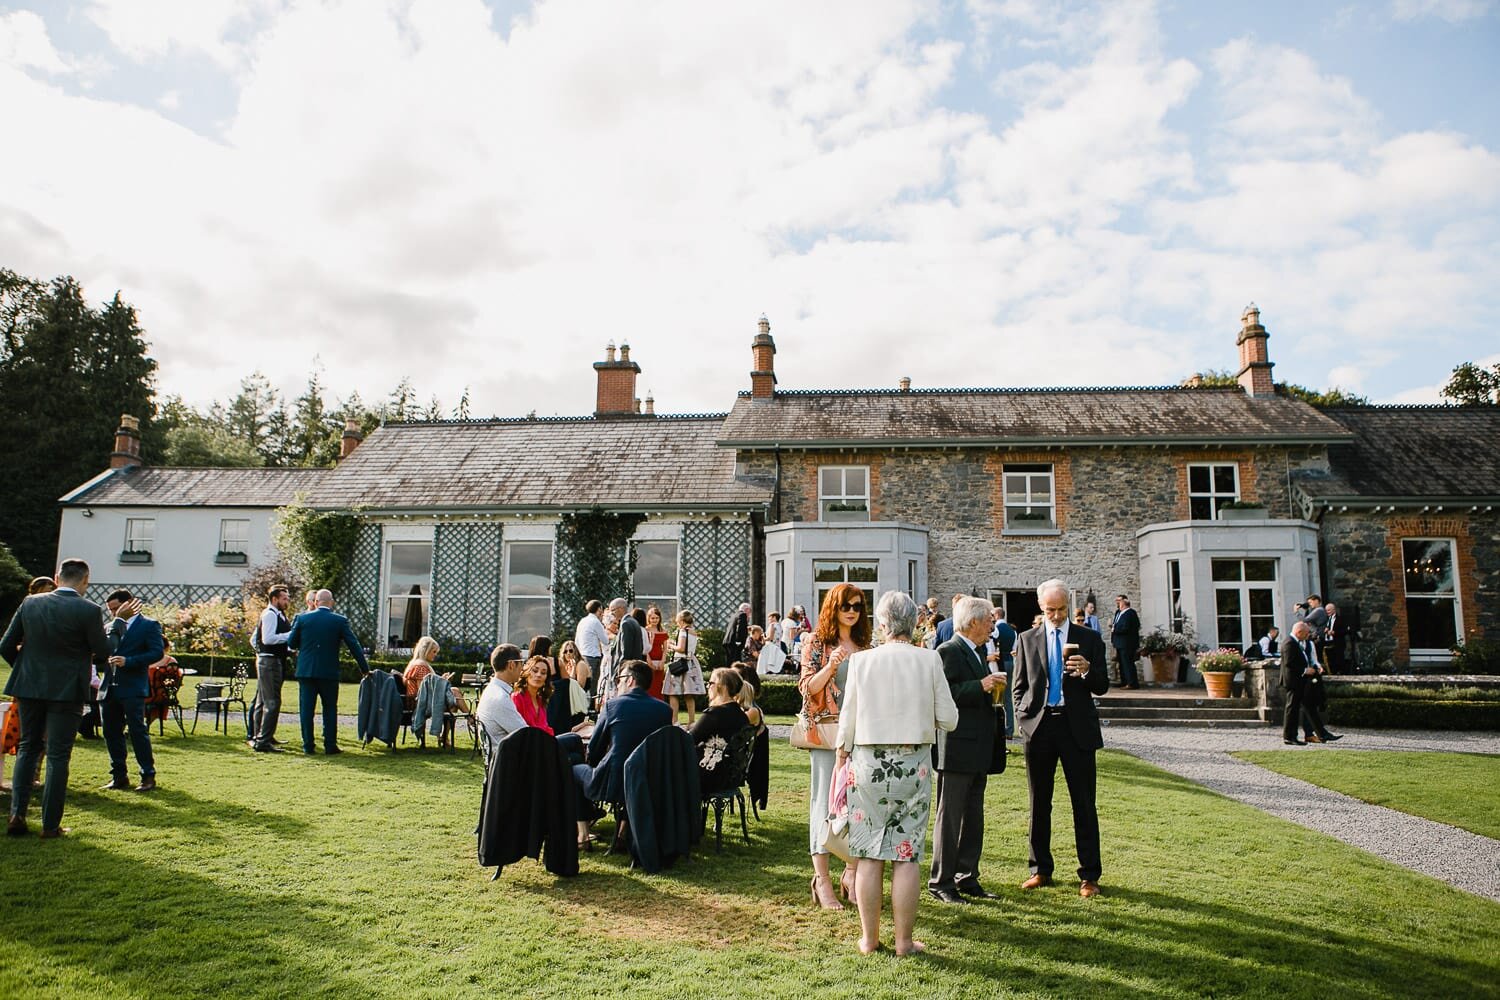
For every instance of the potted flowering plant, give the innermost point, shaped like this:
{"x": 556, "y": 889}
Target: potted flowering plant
{"x": 1218, "y": 669}
{"x": 1165, "y": 648}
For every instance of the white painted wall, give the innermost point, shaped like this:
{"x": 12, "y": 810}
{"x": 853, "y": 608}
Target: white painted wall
{"x": 187, "y": 539}
{"x": 892, "y": 545}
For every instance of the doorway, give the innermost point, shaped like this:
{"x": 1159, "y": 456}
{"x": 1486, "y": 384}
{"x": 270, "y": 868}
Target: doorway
{"x": 1021, "y": 607}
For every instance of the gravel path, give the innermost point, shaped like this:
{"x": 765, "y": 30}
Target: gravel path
{"x": 1460, "y": 858}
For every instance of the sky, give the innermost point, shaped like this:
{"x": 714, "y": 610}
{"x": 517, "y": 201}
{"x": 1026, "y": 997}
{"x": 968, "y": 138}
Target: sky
{"x": 967, "y": 193}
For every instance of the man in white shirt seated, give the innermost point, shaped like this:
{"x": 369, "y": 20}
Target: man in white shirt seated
{"x": 497, "y": 713}
{"x": 1270, "y": 643}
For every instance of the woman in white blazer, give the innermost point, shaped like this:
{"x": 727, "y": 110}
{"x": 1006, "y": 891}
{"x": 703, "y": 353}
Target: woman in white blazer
{"x": 895, "y": 702}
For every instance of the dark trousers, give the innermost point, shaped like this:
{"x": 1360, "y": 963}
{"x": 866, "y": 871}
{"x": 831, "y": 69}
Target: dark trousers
{"x": 958, "y": 836}
{"x": 326, "y": 690}
{"x": 1311, "y": 714}
{"x": 1052, "y": 742}
{"x": 265, "y": 712}
{"x": 1125, "y": 657}
{"x": 56, "y": 724}
{"x": 1300, "y": 707}
{"x": 119, "y": 713}
{"x": 592, "y": 687}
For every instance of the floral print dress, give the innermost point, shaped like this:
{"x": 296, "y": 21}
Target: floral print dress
{"x": 890, "y": 798}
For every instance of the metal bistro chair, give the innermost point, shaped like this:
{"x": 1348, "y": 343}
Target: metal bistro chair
{"x": 165, "y": 700}
{"x": 741, "y": 748}
{"x": 221, "y": 698}
{"x": 467, "y": 683}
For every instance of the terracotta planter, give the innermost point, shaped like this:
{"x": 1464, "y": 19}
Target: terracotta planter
{"x": 1163, "y": 668}
{"x": 1220, "y": 683}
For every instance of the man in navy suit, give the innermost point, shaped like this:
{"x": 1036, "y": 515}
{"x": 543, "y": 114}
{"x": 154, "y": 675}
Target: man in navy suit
{"x": 625, "y": 721}
{"x": 50, "y": 643}
{"x": 1125, "y": 637}
{"x": 1054, "y": 693}
{"x": 316, "y": 636}
{"x": 136, "y": 642}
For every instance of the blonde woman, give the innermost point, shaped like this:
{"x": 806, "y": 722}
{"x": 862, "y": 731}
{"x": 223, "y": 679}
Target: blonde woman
{"x": 656, "y": 649}
{"x": 690, "y": 685}
{"x": 718, "y": 724}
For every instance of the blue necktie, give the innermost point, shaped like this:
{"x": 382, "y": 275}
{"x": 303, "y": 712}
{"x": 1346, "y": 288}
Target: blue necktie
{"x": 1054, "y": 670}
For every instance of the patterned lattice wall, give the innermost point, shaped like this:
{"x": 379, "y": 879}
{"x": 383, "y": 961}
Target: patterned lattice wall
{"x": 466, "y": 584}
{"x": 715, "y": 569}
{"x": 564, "y": 567}
{"x": 361, "y": 598}
{"x": 179, "y": 594}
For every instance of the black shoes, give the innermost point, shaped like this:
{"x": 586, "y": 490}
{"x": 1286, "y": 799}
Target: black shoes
{"x": 1330, "y": 737}
{"x": 1295, "y": 743}
{"x": 976, "y": 890}
{"x": 943, "y": 894}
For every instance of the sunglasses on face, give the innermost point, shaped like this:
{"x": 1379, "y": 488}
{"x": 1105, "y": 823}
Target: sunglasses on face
{"x": 855, "y": 606}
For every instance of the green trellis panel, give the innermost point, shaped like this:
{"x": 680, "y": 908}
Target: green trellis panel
{"x": 466, "y": 583}
{"x": 180, "y": 594}
{"x": 362, "y": 583}
{"x": 715, "y": 569}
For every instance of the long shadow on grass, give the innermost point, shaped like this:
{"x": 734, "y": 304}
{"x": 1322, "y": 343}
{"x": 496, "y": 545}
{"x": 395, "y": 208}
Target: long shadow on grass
{"x": 118, "y": 924}
{"x": 189, "y": 817}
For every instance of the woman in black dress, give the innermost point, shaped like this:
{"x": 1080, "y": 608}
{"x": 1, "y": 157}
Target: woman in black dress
{"x": 716, "y": 726}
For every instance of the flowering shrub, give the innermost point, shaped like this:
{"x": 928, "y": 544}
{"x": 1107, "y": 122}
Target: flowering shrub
{"x": 1221, "y": 660}
{"x": 215, "y": 627}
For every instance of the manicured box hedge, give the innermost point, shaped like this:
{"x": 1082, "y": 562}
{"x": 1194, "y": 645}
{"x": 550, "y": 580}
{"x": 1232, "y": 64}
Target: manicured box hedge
{"x": 1413, "y": 713}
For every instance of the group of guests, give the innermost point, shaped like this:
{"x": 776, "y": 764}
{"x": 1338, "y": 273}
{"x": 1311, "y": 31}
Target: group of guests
{"x": 896, "y": 702}
{"x": 607, "y": 637}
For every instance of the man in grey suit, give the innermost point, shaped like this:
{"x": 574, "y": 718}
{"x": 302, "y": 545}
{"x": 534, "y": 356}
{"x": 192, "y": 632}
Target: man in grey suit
{"x": 964, "y": 755}
{"x": 317, "y": 636}
{"x": 1059, "y": 669}
{"x": 50, "y": 643}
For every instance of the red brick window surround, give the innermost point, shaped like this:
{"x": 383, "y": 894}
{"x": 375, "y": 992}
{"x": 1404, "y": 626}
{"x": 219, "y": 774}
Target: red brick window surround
{"x": 1026, "y": 472}
{"x": 1455, "y": 531}
{"x": 1196, "y": 503}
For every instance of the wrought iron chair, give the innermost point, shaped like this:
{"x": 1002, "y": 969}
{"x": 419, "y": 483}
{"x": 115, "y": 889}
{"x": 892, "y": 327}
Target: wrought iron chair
{"x": 221, "y": 698}
{"x": 731, "y": 796}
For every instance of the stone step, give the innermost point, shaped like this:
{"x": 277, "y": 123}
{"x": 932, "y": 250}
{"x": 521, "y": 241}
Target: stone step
{"x": 1184, "y": 702}
{"x": 1184, "y": 723}
{"x": 1204, "y": 714}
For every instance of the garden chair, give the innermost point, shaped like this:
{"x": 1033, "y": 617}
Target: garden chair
{"x": 452, "y": 717}
{"x": 221, "y": 698}
{"x": 166, "y": 686}
{"x": 732, "y": 796}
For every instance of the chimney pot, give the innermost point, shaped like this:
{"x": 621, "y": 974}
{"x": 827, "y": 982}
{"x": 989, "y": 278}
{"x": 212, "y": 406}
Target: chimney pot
{"x": 650, "y": 404}
{"x": 609, "y": 351}
{"x": 127, "y": 453}
{"x": 615, "y": 389}
{"x": 905, "y": 384}
{"x": 625, "y": 351}
{"x": 1254, "y": 375}
{"x": 763, "y": 356}
{"x": 351, "y": 438}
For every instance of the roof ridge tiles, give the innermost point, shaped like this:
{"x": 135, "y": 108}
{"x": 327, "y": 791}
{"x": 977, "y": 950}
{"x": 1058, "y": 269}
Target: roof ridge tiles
{"x": 622, "y": 419}
{"x": 997, "y": 391}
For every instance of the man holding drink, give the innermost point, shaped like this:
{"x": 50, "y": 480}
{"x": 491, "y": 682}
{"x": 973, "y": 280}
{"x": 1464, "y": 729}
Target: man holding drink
{"x": 1060, "y": 667}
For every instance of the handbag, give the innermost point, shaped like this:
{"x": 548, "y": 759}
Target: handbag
{"x": 819, "y": 734}
{"x": 681, "y": 663}
{"x": 833, "y": 832}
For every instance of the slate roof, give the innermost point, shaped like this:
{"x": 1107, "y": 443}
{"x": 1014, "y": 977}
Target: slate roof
{"x": 1412, "y": 452}
{"x": 1154, "y": 415}
{"x": 167, "y": 487}
{"x": 660, "y": 462}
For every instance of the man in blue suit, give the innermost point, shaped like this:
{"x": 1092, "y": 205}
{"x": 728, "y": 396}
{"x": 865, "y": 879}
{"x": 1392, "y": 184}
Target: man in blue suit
{"x": 136, "y": 642}
{"x": 316, "y": 636}
{"x": 626, "y": 720}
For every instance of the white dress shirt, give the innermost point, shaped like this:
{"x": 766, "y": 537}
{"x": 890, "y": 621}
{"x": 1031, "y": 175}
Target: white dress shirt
{"x": 497, "y": 712}
{"x": 590, "y": 636}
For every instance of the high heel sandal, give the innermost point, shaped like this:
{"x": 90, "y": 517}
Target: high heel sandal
{"x": 846, "y": 886}
{"x": 831, "y": 902}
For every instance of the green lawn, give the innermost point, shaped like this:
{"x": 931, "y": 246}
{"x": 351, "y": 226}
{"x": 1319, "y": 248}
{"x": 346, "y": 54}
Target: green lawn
{"x": 1460, "y": 789}
{"x": 256, "y": 875}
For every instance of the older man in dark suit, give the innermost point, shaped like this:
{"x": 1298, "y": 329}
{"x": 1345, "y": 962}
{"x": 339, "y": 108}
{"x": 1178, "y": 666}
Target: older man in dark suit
{"x": 317, "y": 636}
{"x": 50, "y": 643}
{"x": 964, "y": 755}
{"x": 1300, "y": 670}
{"x": 137, "y": 643}
{"x": 1059, "y": 668}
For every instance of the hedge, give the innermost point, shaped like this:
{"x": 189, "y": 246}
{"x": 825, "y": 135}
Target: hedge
{"x": 1410, "y": 713}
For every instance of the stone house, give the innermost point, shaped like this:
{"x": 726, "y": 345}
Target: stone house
{"x": 1222, "y": 507}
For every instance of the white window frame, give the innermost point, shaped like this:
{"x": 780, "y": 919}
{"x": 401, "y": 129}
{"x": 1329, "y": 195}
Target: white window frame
{"x": 509, "y": 547}
{"x": 844, "y": 496}
{"x": 1026, "y": 502}
{"x": 1248, "y": 631}
{"x": 1215, "y": 498}
{"x": 241, "y": 545}
{"x": 138, "y": 539}
{"x": 1175, "y": 613}
{"x": 385, "y": 584}
{"x": 821, "y": 587}
{"x": 670, "y": 603}
{"x": 1422, "y": 652}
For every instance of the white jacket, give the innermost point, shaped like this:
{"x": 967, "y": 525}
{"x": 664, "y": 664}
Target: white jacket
{"x": 895, "y": 694}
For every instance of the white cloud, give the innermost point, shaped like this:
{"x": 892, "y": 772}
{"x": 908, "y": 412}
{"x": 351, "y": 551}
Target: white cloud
{"x": 151, "y": 30}
{"x": 1455, "y": 11}
{"x": 25, "y": 44}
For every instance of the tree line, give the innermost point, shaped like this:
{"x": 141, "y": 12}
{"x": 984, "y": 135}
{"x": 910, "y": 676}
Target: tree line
{"x": 69, "y": 369}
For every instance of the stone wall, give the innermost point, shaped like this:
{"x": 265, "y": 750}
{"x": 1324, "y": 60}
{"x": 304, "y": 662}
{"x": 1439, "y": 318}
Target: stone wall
{"x": 1362, "y": 554}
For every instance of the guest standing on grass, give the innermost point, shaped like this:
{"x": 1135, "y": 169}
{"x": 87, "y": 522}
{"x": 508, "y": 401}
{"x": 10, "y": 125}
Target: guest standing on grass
{"x": 272, "y": 657}
{"x": 896, "y": 701}
{"x": 688, "y": 686}
{"x": 316, "y": 636}
{"x": 61, "y": 634}
{"x": 1055, "y": 712}
{"x": 964, "y": 758}
{"x": 656, "y": 650}
{"x": 136, "y": 642}
{"x": 591, "y": 638}
{"x": 843, "y": 629}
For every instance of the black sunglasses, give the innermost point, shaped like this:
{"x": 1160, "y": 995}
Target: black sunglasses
{"x": 856, "y": 606}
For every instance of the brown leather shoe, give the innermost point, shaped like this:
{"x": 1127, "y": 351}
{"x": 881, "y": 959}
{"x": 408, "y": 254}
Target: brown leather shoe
{"x": 115, "y": 785}
{"x": 1313, "y": 738}
{"x": 1036, "y": 882}
{"x": 55, "y": 832}
{"x": 16, "y": 827}
{"x": 146, "y": 785}
{"x": 1088, "y": 888}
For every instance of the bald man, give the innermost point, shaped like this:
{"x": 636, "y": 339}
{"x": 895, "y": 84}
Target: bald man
{"x": 317, "y": 636}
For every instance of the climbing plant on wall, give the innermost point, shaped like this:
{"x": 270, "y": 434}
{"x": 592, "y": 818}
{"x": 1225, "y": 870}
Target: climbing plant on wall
{"x": 319, "y": 544}
{"x": 593, "y": 561}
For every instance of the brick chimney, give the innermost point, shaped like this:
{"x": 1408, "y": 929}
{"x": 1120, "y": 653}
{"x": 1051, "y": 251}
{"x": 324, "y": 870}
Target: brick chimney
{"x": 1255, "y": 368}
{"x": 763, "y": 353}
{"x": 351, "y": 439}
{"x": 616, "y": 392}
{"x": 127, "y": 453}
